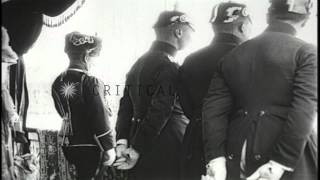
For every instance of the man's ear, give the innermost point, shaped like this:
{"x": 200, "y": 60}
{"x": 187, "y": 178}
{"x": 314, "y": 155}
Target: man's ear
{"x": 84, "y": 57}
{"x": 178, "y": 33}
{"x": 242, "y": 28}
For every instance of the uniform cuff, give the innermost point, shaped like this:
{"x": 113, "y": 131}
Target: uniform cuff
{"x": 105, "y": 140}
{"x": 218, "y": 160}
{"x": 110, "y": 152}
{"x": 122, "y": 142}
{"x": 286, "y": 168}
{"x": 211, "y": 154}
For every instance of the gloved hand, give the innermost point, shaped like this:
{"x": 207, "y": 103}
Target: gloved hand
{"x": 268, "y": 171}
{"x": 120, "y": 149}
{"x": 129, "y": 159}
{"x": 14, "y": 118}
{"x": 216, "y": 169}
{"x": 108, "y": 157}
{"x": 207, "y": 177}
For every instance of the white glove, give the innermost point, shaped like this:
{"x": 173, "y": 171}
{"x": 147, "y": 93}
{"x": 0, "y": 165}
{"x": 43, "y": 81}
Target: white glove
{"x": 217, "y": 169}
{"x": 268, "y": 171}
{"x": 129, "y": 159}
{"x": 14, "y": 118}
{"x": 207, "y": 177}
{"x": 109, "y": 157}
{"x": 120, "y": 149}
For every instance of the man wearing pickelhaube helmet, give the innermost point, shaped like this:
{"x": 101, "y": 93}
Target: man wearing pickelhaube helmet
{"x": 260, "y": 109}
{"x": 231, "y": 24}
{"x": 150, "y": 122}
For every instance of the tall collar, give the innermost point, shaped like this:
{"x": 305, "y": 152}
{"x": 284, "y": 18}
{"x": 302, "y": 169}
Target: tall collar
{"x": 278, "y": 26}
{"x": 64, "y": 73}
{"x": 77, "y": 70}
{"x": 226, "y": 38}
{"x": 164, "y": 47}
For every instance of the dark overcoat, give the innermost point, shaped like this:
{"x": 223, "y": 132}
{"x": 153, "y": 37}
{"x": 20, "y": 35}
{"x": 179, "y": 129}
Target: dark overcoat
{"x": 150, "y": 116}
{"x": 265, "y": 93}
{"x": 195, "y": 76}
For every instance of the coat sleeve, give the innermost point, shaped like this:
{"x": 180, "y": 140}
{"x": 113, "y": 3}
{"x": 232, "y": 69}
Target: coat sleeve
{"x": 184, "y": 94}
{"x": 125, "y": 115}
{"x": 56, "y": 100}
{"x": 99, "y": 113}
{"x": 301, "y": 116}
{"x": 215, "y": 111}
{"x": 160, "y": 110}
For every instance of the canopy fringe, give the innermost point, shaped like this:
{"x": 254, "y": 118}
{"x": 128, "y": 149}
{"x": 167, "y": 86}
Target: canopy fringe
{"x": 64, "y": 17}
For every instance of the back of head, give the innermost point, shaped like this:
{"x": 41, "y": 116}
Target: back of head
{"x": 226, "y": 16}
{"x": 169, "y": 20}
{"x": 174, "y": 27}
{"x": 78, "y": 45}
{"x": 293, "y": 11}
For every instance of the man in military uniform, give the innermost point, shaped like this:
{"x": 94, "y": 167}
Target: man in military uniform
{"x": 151, "y": 123}
{"x": 79, "y": 100}
{"x": 231, "y": 25}
{"x": 259, "y": 113}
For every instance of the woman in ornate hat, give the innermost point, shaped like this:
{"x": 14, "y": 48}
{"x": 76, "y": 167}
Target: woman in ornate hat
{"x": 87, "y": 138}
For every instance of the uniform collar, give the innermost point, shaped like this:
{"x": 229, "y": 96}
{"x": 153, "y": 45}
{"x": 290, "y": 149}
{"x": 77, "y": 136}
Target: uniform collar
{"x": 77, "y": 70}
{"x": 64, "y": 73}
{"x": 226, "y": 38}
{"x": 278, "y": 26}
{"x": 164, "y": 47}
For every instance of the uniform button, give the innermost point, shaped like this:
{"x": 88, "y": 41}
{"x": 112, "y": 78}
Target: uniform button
{"x": 230, "y": 157}
{"x": 246, "y": 113}
{"x": 257, "y": 157}
{"x": 132, "y": 119}
{"x": 261, "y": 113}
{"x": 138, "y": 120}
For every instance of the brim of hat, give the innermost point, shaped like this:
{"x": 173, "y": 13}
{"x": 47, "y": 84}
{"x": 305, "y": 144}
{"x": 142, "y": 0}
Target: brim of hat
{"x": 192, "y": 26}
